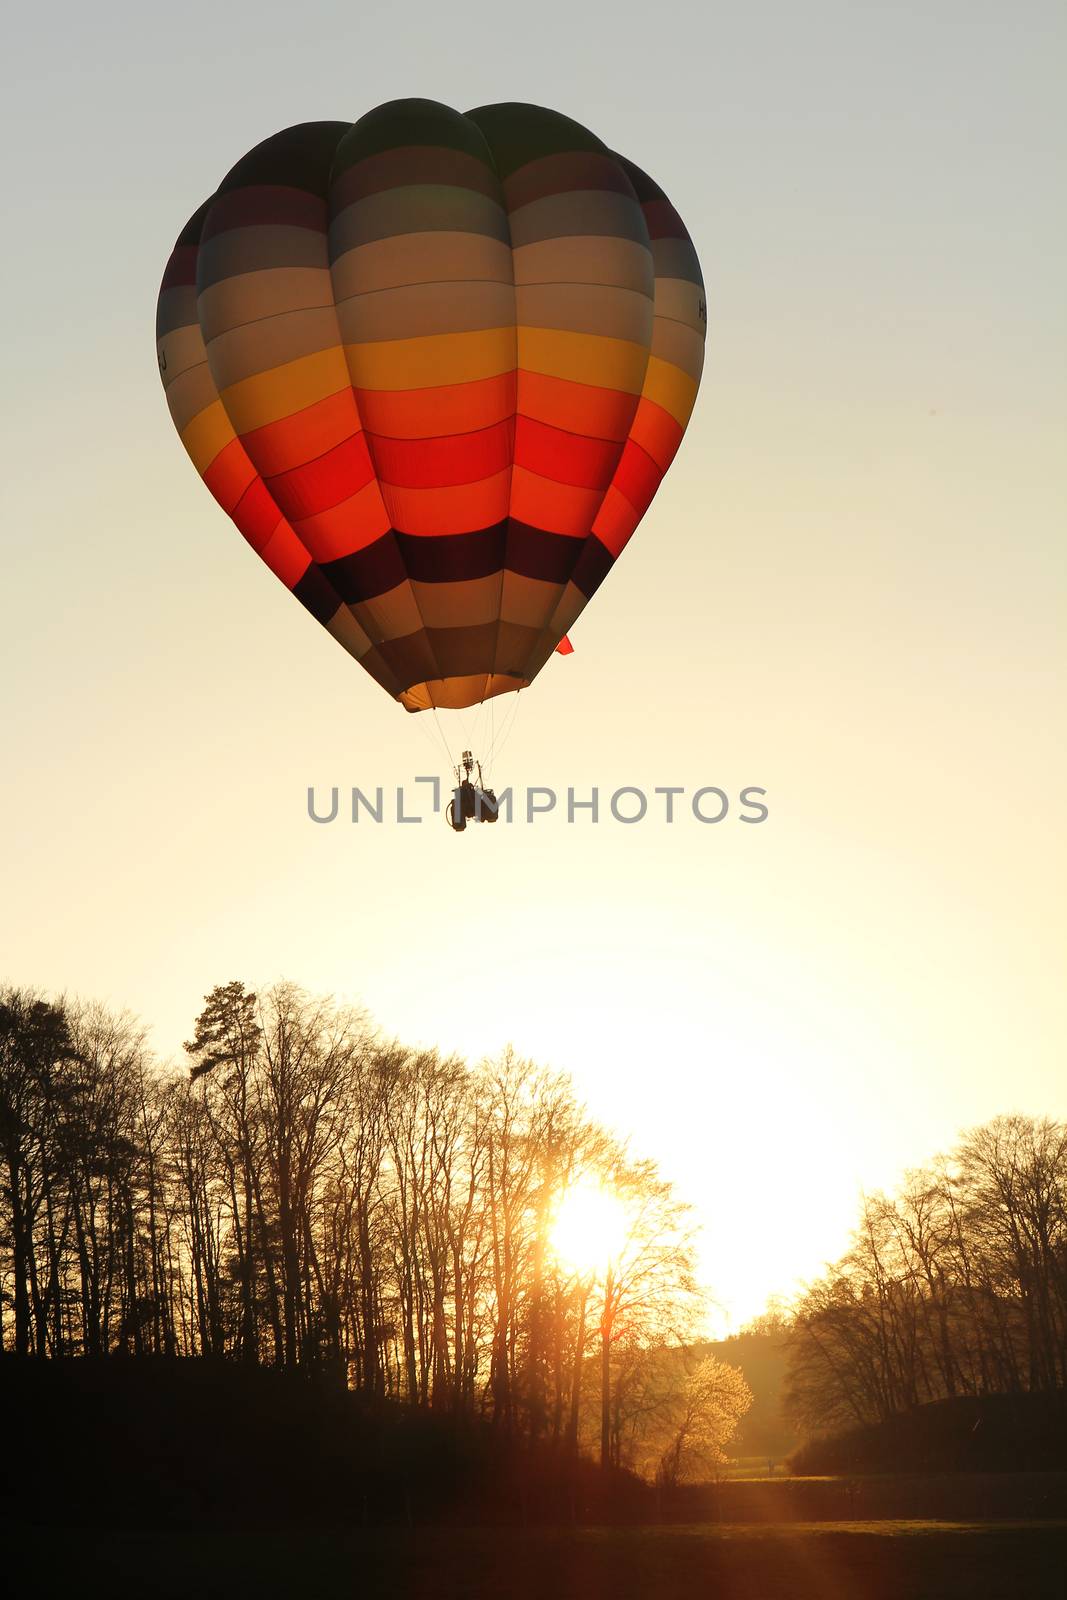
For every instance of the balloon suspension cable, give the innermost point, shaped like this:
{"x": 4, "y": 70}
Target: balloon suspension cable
{"x": 434, "y": 739}
{"x": 473, "y": 799}
{"x": 444, "y": 739}
{"x": 502, "y": 734}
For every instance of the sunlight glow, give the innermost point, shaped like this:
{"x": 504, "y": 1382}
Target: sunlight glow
{"x": 589, "y": 1229}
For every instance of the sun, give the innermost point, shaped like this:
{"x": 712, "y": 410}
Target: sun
{"x": 589, "y": 1229}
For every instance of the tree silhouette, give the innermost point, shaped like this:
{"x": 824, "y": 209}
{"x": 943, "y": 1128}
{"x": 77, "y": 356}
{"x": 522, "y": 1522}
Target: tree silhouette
{"x": 955, "y": 1285}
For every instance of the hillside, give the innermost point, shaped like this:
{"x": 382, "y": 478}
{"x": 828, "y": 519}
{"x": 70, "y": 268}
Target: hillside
{"x": 970, "y": 1433}
{"x": 157, "y": 1442}
{"x": 764, "y": 1431}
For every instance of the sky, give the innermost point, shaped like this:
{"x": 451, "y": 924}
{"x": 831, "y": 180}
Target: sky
{"x": 850, "y": 591}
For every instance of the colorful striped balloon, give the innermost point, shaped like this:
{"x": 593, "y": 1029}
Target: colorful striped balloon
{"x": 434, "y": 367}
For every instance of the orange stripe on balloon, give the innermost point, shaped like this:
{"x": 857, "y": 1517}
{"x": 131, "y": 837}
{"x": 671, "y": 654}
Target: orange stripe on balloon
{"x": 293, "y": 440}
{"x": 615, "y": 521}
{"x": 285, "y": 555}
{"x": 229, "y": 475}
{"x": 345, "y": 528}
{"x": 656, "y": 431}
{"x": 555, "y": 507}
{"x": 443, "y": 409}
{"x": 459, "y": 509}
{"x": 579, "y": 407}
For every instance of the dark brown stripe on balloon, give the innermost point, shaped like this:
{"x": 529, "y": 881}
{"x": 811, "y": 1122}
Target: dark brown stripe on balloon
{"x": 263, "y": 204}
{"x": 663, "y": 221}
{"x": 448, "y": 558}
{"x": 181, "y": 268}
{"x": 408, "y": 122}
{"x": 412, "y": 164}
{"x": 592, "y": 567}
{"x": 299, "y": 157}
{"x": 517, "y": 133}
{"x": 453, "y": 558}
{"x": 368, "y": 572}
{"x": 644, "y": 187}
{"x": 533, "y": 553}
{"x": 317, "y": 594}
{"x": 563, "y": 174}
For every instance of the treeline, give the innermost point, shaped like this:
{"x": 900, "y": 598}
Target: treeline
{"x": 308, "y": 1196}
{"x": 954, "y": 1286}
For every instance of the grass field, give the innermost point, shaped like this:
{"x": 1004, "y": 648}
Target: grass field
{"x": 813, "y": 1561}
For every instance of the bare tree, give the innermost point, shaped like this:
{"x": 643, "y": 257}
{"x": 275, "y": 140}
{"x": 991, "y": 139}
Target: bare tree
{"x": 311, "y": 1196}
{"x": 955, "y": 1285}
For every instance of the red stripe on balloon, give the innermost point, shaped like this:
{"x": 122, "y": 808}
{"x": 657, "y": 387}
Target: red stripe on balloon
{"x": 638, "y": 477}
{"x": 285, "y": 555}
{"x": 256, "y": 515}
{"x": 335, "y": 476}
{"x": 445, "y": 462}
{"x": 656, "y": 431}
{"x": 563, "y": 456}
{"x": 229, "y": 475}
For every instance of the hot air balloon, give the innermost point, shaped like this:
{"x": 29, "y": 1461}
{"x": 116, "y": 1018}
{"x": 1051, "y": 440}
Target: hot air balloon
{"x": 434, "y": 366}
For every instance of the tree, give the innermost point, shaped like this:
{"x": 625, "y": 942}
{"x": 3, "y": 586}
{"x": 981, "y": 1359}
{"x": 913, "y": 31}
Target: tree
{"x": 35, "y": 1046}
{"x": 314, "y": 1197}
{"x": 712, "y": 1401}
{"x": 955, "y": 1285}
{"x": 649, "y": 1290}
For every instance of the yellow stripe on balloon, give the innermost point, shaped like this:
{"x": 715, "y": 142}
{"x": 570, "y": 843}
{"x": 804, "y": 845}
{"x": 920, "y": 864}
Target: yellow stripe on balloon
{"x": 432, "y": 361}
{"x": 670, "y": 388}
{"x": 269, "y": 396}
{"x": 590, "y": 358}
{"x": 207, "y": 434}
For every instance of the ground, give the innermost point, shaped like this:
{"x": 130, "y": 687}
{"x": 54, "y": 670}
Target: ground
{"x": 806, "y": 1561}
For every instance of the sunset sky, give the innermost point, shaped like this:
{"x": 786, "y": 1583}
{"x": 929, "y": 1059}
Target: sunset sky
{"x": 850, "y": 591}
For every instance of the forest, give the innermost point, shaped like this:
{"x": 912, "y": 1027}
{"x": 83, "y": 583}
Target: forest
{"x": 302, "y": 1195}
{"x": 305, "y": 1195}
{"x": 954, "y": 1288}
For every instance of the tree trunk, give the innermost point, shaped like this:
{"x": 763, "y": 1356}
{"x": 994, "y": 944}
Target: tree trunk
{"x": 20, "y": 1249}
{"x": 605, "y": 1372}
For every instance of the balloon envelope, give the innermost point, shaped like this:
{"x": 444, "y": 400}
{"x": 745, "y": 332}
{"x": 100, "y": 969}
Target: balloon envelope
{"x": 434, "y": 366}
